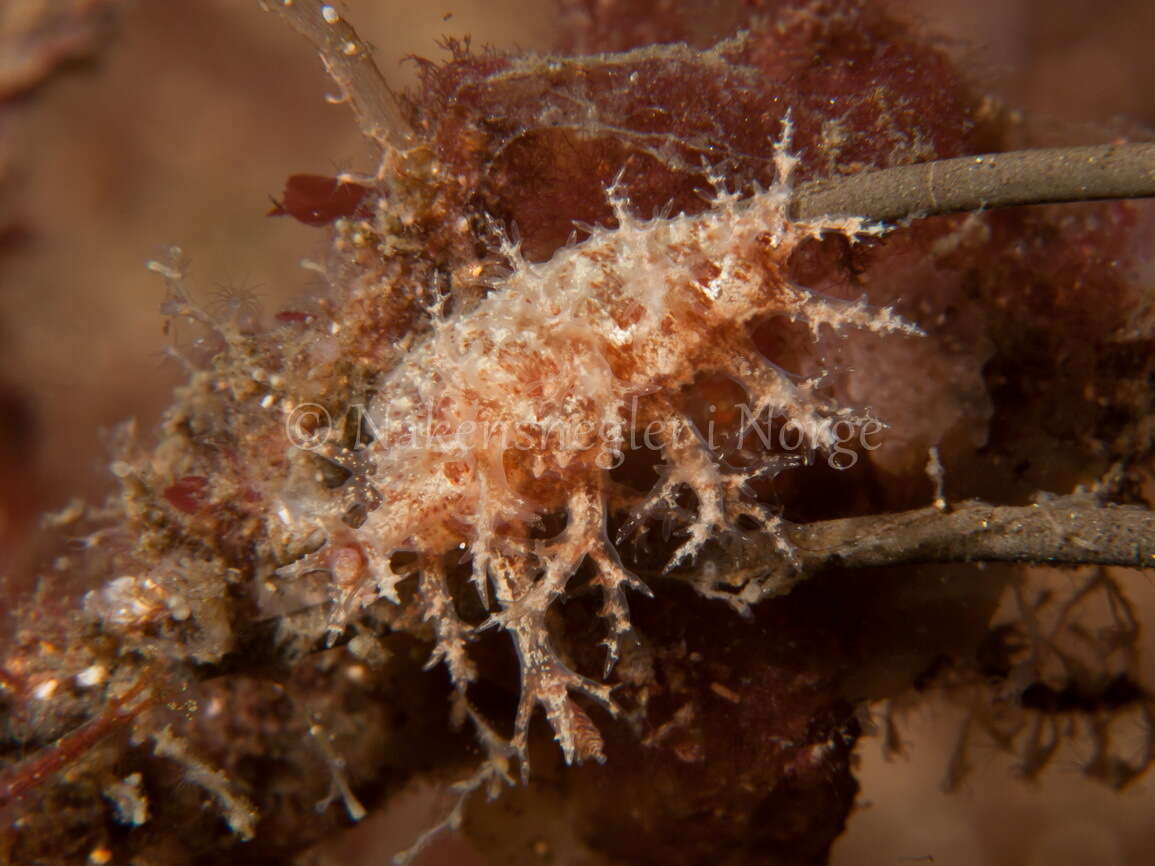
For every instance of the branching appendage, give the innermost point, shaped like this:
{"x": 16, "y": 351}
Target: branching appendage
{"x": 546, "y": 679}
{"x": 1061, "y": 667}
{"x": 237, "y": 809}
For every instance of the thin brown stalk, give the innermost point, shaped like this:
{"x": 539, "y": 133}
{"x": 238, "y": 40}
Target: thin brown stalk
{"x": 971, "y": 183}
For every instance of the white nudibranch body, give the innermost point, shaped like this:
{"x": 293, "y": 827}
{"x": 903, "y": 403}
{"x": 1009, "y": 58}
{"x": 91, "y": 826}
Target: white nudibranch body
{"x": 517, "y": 408}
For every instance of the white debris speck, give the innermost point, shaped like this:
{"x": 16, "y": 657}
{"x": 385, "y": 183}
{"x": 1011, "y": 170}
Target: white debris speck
{"x": 67, "y": 515}
{"x": 178, "y": 608}
{"x": 91, "y": 676}
{"x": 129, "y": 800}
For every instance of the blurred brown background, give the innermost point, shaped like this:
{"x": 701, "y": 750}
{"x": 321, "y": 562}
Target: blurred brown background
{"x": 191, "y": 115}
